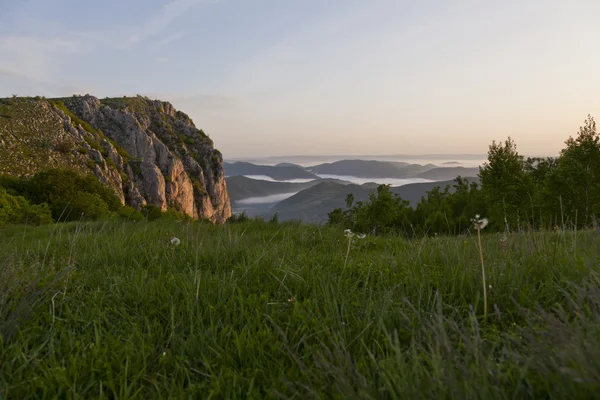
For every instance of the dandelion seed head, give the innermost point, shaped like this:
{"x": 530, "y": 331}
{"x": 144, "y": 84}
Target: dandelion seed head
{"x": 479, "y": 223}
{"x": 361, "y": 235}
{"x": 175, "y": 241}
{"x": 348, "y": 233}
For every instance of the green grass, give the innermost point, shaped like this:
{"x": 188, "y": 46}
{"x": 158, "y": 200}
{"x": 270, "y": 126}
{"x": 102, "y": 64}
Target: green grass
{"x": 258, "y": 310}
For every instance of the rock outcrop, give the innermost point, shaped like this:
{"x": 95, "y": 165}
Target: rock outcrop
{"x": 145, "y": 150}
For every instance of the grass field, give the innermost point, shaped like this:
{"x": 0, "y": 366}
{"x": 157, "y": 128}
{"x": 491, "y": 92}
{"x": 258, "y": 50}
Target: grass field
{"x": 258, "y": 310}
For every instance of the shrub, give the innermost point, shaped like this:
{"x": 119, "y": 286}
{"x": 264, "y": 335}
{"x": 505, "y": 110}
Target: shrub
{"x": 152, "y": 212}
{"x": 65, "y": 146}
{"x": 238, "y": 218}
{"x": 17, "y": 210}
{"x": 84, "y": 205}
{"x": 70, "y": 194}
{"x": 13, "y": 185}
{"x": 130, "y": 214}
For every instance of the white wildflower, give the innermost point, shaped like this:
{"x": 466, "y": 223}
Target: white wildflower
{"x": 348, "y": 233}
{"x": 479, "y": 223}
{"x": 175, "y": 241}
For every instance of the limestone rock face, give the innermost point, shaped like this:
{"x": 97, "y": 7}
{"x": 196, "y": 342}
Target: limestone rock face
{"x": 145, "y": 150}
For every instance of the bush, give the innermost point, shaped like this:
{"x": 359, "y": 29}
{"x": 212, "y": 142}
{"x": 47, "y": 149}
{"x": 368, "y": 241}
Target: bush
{"x": 65, "y": 147}
{"x": 238, "y": 218}
{"x": 17, "y": 210}
{"x": 13, "y": 185}
{"x": 71, "y": 195}
{"x": 153, "y": 212}
{"x": 130, "y": 214}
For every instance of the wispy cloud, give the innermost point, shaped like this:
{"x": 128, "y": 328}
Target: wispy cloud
{"x": 170, "y": 39}
{"x": 159, "y": 22}
{"x": 35, "y": 57}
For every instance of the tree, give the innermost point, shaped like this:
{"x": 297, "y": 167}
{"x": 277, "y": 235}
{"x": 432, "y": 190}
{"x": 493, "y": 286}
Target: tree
{"x": 577, "y": 175}
{"x": 505, "y": 185}
{"x": 383, "y": 212}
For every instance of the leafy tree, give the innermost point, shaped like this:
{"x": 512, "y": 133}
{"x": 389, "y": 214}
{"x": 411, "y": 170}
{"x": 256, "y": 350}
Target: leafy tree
{"x": 505, "y": 185}
{"x": 383, "y": 212}
{"x": 543, "y": 209}
{"x": 577, "y": 175}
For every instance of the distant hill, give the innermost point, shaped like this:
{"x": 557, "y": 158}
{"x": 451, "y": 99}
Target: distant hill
{"x": 314, "y": 203}
{"x": 277, "y": 172}
{"x": 241, "y": 187}
{"x": 371, "y": 169}
{"x": 445, "y": 173}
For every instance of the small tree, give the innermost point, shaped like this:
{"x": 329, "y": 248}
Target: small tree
{"x": 505, "y": 184}
{"x": 577, "y": 176}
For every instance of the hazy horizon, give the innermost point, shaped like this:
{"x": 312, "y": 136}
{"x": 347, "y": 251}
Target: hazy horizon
{"x": 265, "y": 78}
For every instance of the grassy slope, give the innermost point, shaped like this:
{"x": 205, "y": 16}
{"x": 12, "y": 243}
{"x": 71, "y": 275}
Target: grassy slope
{"x": 30, "y": 132}
{"x": 109, "y": 309}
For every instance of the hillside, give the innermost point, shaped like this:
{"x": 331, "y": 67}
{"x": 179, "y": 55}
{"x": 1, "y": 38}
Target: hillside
{"x": 144, "y": 150}
{"x": 314, "y": 203}
{"x": 277, "y": 172}
{"x": 446, "y": 173}
{"x": 241, "y": 187}
{"x": 370, "y": 169}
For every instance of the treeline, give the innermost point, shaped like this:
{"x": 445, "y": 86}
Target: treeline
{"x": 57, "y": 195}
{"x": 515, "y": 193}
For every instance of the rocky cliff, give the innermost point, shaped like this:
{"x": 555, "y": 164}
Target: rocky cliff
{"x": 145, "y": 150}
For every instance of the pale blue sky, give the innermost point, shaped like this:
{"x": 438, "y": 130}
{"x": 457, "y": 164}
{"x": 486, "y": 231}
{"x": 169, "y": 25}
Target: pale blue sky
{"x": 281, "y": 77}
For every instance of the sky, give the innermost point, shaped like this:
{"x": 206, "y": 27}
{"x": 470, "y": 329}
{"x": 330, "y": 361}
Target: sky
{"x": 291, "y": 77}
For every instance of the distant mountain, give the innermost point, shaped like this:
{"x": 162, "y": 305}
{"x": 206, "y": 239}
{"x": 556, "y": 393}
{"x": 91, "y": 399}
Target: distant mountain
{"x": 241, "y": 187}
{"x": 314, "y": 203}
{"x": 445, "y": 173}
{"x": 277, "y": 172}
{"x": 371, "y": 169}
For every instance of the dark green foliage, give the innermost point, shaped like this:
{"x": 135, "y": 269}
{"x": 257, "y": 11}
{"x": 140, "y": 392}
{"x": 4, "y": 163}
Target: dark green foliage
{"x": 505, "y": 185}
{"x": 72, "y": 196}
{"x": 153, "y": 213}
{"x": 449, "y": 211}
{"x": 238, "y": 218}
{"x": 130, "y": 214}
{"x": 384, "y": 212}
{"x": 13, "y": 185}
{"x": 16, "y": 209}
{"x": 577, "y": 176}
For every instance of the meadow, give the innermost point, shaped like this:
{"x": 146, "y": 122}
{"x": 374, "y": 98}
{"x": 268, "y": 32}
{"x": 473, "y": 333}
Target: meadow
{"x": 112, "y": 309}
